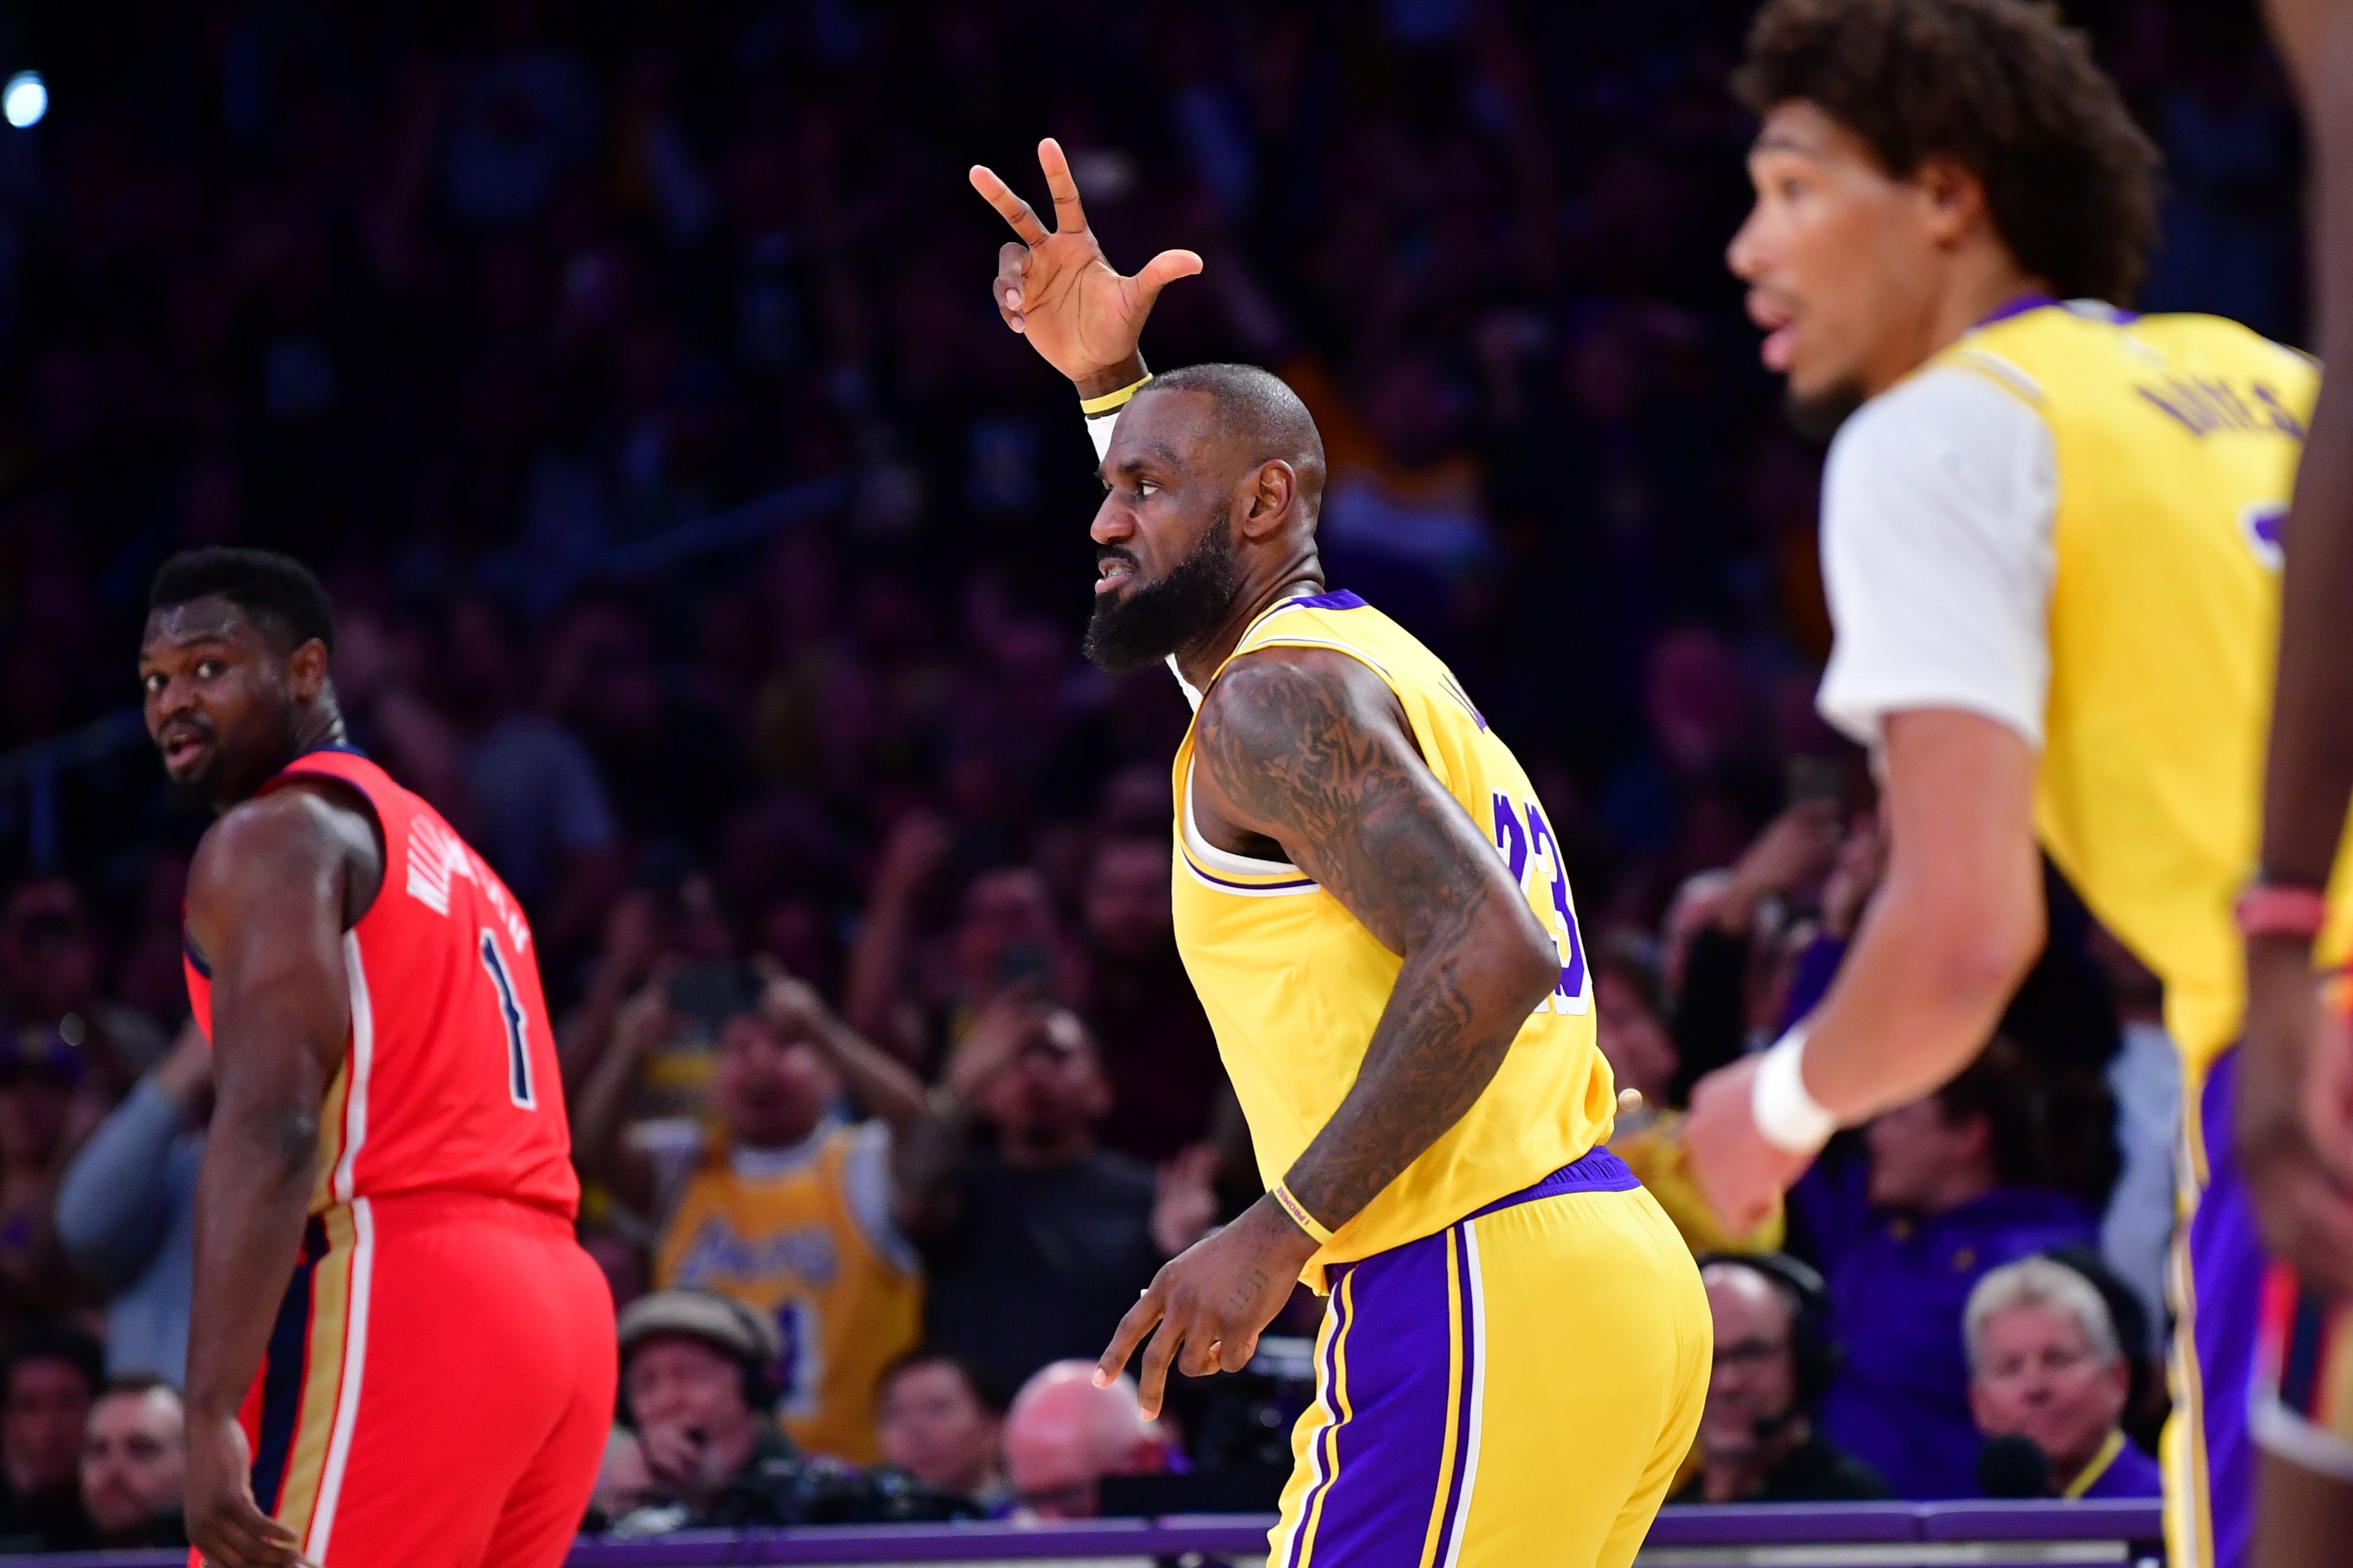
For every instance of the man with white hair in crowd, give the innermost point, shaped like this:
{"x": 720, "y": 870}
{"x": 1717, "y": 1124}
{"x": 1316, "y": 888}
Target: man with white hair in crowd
{"x": 2045, "y": 1366}
{"x": 1064, "y": 1435}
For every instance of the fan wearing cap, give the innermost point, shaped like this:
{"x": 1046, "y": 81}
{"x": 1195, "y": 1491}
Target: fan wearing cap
{"x": 781, "y": 1204}
{"x": 698, "y": 1379}
{"x": 695, "y": 1368}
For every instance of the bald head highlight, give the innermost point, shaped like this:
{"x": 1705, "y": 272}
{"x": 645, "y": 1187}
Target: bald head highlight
{"x": 1261, "y": 416}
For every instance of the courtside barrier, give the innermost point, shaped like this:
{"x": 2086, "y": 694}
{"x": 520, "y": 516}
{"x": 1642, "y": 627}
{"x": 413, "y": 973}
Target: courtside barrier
{"x": 1857, "y": 1535}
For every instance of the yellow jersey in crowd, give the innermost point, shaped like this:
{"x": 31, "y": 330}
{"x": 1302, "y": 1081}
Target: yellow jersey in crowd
{"x": 782, "y": 1231}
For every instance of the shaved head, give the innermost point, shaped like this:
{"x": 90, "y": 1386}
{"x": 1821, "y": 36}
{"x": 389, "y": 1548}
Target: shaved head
{"x": 1212, "y": 481}
{"x": 1262, "y": 418}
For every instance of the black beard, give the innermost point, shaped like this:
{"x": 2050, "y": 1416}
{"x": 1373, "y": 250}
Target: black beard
{"x": 234, "y": 778}
{"x": 191, "y": 795}
{"x": 1817, "y": 417}
{"x": 1153, "y": 620}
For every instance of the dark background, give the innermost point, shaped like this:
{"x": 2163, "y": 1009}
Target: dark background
{"x": 501, "y": 315}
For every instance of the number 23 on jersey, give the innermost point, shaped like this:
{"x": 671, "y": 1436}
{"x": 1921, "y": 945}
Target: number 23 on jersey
{"x": 1525, "y": 841}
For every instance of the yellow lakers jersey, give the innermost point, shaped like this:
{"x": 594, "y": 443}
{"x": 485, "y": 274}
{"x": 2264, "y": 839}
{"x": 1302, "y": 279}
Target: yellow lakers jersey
{"x": 1293, "y": 983}
{"x": 785, "y": 1242}
{"x": 2176, "y": 440}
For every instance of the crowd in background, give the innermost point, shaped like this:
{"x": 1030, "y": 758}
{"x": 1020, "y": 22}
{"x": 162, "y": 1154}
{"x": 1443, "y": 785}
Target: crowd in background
{"x": 705, "y": 549}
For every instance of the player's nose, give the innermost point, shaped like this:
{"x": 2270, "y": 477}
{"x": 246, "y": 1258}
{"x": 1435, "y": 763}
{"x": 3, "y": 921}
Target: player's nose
{"x": 1114, "y": 523}
{"x": 1740, "y": 254}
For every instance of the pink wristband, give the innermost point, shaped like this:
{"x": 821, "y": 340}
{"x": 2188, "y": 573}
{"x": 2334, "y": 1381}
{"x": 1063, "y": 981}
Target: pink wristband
{"x": 2296, "y": 914}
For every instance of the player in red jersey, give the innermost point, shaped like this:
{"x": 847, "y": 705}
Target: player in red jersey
{"x": 398, "y": 1354}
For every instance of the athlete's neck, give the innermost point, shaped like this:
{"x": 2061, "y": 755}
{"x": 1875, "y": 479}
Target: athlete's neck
{"x": 317, "y": 726}
{"x": 320, "y": 725}
{"x": 1973, "y": 286}
{"x": 1199, "y": 663}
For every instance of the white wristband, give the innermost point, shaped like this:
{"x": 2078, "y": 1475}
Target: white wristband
{"x": 1791, "y": 1120}
{"x": 1099, "y": 429}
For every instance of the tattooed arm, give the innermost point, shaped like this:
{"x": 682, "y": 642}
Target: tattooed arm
{"x": 1306, "y": 755}
{"x": 1311, "y": 751}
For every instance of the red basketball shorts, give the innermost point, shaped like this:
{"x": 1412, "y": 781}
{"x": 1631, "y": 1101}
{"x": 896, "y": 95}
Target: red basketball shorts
{"x": 438, "y": 1387}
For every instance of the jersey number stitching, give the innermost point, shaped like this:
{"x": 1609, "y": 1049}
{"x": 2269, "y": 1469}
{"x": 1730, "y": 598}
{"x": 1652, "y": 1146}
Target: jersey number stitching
{"x": 519, "y": 1085}
{"x": 1522, "y": 835}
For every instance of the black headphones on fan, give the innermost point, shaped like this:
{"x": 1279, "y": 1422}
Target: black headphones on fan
{"x": 1814, "y": 1351}
{"x": 750, "y": 1338}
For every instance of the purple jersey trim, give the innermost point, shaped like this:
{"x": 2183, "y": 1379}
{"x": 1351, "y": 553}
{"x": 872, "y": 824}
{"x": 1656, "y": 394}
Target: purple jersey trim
{"x": 1596, "y": 1170}
{"x": 1387, "y": 1468}
{"x": 2226, "y": 1273}
{"x": 2018, "y": 307}
{"x": 1324, "y": 1457}
{"x": 1195, "y": 866}
{"x": 1468, "y": 1350}
{"x": 1338, "y": 599}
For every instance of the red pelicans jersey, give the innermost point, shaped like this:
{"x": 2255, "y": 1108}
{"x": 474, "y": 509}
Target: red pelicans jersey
{"x": 448, "y": 1080}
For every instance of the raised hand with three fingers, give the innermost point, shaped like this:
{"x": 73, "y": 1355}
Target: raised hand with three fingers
{"x": 1058, "y": 289}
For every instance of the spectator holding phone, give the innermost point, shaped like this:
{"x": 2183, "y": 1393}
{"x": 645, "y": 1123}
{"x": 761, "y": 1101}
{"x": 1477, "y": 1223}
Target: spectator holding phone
{"x": 783, "y": 1207}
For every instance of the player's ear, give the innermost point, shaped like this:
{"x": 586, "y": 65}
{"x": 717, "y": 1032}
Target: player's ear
{"x": 1954, "y": 199}
{"x": 306, "y": 669}
{"x": 1268, "y": 499}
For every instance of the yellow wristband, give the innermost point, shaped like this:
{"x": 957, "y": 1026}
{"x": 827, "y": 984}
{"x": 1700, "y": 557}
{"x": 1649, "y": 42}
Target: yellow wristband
{"x": 1307, "y": 1222}
{"x": 1111, "y": 402}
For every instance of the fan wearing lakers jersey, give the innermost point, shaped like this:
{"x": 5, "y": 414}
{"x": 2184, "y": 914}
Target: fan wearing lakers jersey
{"x": 1372, "y": 904}
{"x": 2050, "y": 538}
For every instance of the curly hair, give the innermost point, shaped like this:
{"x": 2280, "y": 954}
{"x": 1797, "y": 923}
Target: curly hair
{"x": 1999, "y": 87}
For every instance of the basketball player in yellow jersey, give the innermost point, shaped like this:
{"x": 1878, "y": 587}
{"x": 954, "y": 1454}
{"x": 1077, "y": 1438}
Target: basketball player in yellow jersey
{"x": 2050, "y": 540}
{"x": 2294, "y": 1102}
{"x": 1372, "y": 904}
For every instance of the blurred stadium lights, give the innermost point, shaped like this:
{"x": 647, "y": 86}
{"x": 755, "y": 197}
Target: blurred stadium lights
{"x": 25, "y": 100}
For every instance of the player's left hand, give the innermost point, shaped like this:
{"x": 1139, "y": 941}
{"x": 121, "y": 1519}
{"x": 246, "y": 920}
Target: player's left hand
{"x": 225, "y": 1526}
{"x": 1211, "y": 1302}
{"x": 1741, "y": 1175}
